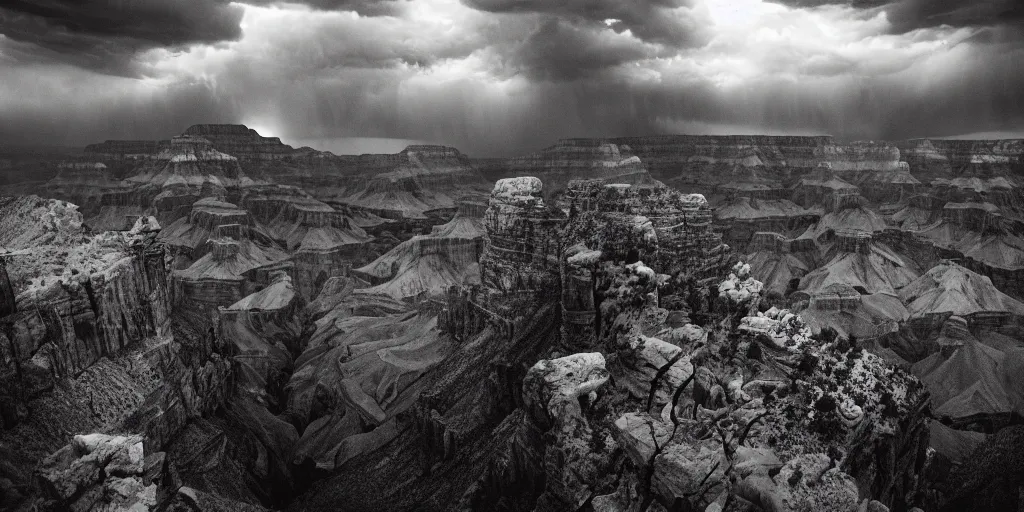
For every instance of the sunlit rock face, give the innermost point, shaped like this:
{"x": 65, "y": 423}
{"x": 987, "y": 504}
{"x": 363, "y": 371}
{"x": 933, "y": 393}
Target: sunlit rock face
{"x": 571, "y": 159}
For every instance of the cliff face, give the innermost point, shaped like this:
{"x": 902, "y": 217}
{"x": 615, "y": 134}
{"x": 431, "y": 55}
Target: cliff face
{"x": 580, "y": 437}
{"x": 522, "y": 237}
{"x": 944, "y": 158}
{"x": 695, "y": 160}
{"x": 578, "y": 158}
{"x": 323, "y": 241}
{"x": 240, "y": 141}
{"x": 92, "y": 350}
{"x": 114, "y": 294}
{"x": 408, "y": 184}
{"x": 427, "y": 265}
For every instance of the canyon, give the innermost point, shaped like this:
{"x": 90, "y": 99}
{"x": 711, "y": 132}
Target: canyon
{"x": 220, "y": 321}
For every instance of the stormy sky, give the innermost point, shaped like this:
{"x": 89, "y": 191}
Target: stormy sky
{"x": 502, "y": 77}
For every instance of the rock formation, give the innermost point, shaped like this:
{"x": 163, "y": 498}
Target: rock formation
{"x": 429, "y": 264}
{"x": 571, "y": 344}
{"x": 933, "y": 158}
{"x": 571, "y": 159}
{"x": 323, "y": 241}
{"x": 572, "y": 434}
{"x": 409, "y": 184}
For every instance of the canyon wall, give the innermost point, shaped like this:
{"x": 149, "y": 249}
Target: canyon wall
{"x": 944, "y": 158}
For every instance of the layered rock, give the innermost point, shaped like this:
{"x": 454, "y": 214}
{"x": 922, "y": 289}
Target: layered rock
{"x": 429, "y": 264}
{"x": 949, "y": 158}
{"x": 950, "y": 289}
{"x": 112, "y": 293}
{"x": 190, "y": 238}
{"x": 188, "y": 170}
{"x": 92, "y": 351}
{"x": 670, "y": 230}
{"x": 719, "y": 159}
{"x": 571, "y": 159}
{"x": 323, "y": 241}
{"x": 262, "y": 332}
{"x": 410, "y": 184}
{"x": 88, "y": 185}
{"x": 241, "y": 142}
{"x": 522, "y": 240}
{"x": 232, "y": 269}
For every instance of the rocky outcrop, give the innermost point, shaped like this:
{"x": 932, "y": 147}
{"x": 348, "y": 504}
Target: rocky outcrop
{"x": 98, "y": 471}
{"x": 231, "y": 270}
{"x": 112, "y": 294}
{"x": 28, "y": 222}
{"x": 522, "y": 242}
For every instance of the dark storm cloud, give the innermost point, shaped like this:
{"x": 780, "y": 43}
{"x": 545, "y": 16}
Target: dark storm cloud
{"x": 105, "y": 34}
{"x": 74, "y": 107}
{"x": 655, "y": 21}
{"x": 493, "y": 77}
{"x": 907, "y": 15}
{"x": 363, "y": 7}
{"x": 559, "y": 51}
{"x": 913, "y": 14}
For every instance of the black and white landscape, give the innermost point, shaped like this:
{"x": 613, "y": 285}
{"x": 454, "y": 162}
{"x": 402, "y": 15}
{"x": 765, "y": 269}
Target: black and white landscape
{"x": 512, "y": 256}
